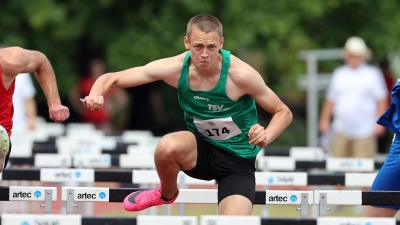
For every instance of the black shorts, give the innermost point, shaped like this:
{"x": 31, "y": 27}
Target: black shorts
{"x": 234, "y": 174}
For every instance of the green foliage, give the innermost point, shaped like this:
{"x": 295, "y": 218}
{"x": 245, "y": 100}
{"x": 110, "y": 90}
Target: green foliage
{"x": 265, "y": 33}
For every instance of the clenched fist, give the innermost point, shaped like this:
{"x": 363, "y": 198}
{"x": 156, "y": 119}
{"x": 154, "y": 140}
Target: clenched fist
{"x": 94, "y": 102}
{"x": 58, "y": 112}
{"x": 257, "y": 135}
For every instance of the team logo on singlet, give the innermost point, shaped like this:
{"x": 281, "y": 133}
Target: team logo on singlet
{"x": 201, "y": 98}
{"x": 216, "y": 107}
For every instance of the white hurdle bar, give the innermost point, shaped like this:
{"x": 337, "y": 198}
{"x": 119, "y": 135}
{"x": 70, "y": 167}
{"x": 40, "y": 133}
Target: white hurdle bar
{"x": 231, "y": 220}
{"x": 285, "y": 163}
{"x": 166, "y": 220}
{"x": 355, "y": 220}
{"x": 35, "y": 219}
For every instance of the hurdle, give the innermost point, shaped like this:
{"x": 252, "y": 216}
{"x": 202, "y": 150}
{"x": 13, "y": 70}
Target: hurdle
{"x": 120, "y": 158}
{"x": 166, "y": 220}
{"x": 231, "y": 220}
{"x": 40, "y": 219}
{"x": 35, "y": 194}
{"x": 323, "y": 198}
{"x": 61, "y": 219}
{"x": 283, "y": 163}
{"x": 127, "y": 176}
{"x": 186, "y": 196}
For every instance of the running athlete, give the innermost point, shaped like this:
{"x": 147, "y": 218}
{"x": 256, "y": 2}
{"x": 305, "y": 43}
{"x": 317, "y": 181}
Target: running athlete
{"x": 14, "y": 61}
{"x": 218, "y": 94}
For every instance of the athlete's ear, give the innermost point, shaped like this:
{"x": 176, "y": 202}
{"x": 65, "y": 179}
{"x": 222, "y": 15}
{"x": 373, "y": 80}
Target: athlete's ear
{"x": 186, "y": 42}
{"x": 222, "y": 43}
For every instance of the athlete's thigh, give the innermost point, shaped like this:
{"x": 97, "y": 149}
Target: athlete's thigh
{"x": 205, "y": 162}
{"x": 236, "y": 194}
{"x": 235, "y": 205}
{"x": 181, "y": 146}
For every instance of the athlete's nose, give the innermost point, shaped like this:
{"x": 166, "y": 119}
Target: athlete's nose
{"x": 204, "y": 54}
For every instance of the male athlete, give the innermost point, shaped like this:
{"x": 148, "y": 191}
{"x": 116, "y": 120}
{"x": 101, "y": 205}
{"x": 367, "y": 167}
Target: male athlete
{"x": 13, "y": 61}
{"x": 218, "y": 94}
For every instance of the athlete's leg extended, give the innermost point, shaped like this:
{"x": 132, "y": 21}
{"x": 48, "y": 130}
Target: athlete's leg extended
{"x": 175, "y": 152}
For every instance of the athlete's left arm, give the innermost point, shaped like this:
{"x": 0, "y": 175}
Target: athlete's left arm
{"x": 253, "y": 84}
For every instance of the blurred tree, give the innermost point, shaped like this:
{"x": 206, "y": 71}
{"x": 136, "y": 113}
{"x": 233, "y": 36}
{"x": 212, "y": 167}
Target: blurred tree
{"x": 265, "y": 33}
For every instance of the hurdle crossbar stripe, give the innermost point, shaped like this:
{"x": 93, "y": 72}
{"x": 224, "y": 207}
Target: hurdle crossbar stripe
{"x": 357, "y": 197}
{"x": 231, "y": 220}
{"x": 20, "y": 193}
{"x": 380, "y": 198}
{"x": 335, "y": 197}
{"x": 349, "y": 220}
{"x": 359, "y": 179}
{"x": 118, "y": 158}
{"x": 166, "y": 220}
{"x": 62, "y": 219}
{"x": 33, "y": 219}
{"x": 281, "y": 178}
{"x": 151, "y": 177}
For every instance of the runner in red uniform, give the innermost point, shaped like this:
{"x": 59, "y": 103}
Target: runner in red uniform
{"x": 13, "y": 61}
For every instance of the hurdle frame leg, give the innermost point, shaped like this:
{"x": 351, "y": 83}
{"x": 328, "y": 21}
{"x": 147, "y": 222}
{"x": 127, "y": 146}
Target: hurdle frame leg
{"x": 70, "y": 201}
{"x": 48, "y": 197}
{"x": 181, "y": 185}
{"x": 322, "y": 204}
{"x": 304, "y": 205}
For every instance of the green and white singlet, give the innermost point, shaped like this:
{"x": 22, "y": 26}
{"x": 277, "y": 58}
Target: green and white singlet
{"x": 221, "y": 121}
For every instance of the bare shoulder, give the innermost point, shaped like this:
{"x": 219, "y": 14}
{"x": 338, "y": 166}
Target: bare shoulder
{"x": 242, "y": 74}
{"x": 171, "y": 62}
{"x": 12, "y": 55}
{"x": 13, "y": 60}
{"x": 166, "y": 69}
{"x": 166, "y": 66}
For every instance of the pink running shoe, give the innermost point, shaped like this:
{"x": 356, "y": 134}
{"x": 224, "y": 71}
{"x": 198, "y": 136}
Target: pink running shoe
{"x": 140, "y": 200}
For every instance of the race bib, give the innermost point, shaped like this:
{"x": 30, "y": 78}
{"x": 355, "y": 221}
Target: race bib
{"x": 217, "y": 129}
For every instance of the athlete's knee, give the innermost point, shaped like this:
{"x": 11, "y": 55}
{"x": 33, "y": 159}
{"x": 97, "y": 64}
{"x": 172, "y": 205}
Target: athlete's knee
{"x": 169, "y": 147}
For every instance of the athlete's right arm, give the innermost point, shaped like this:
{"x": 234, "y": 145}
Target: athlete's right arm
{"x": 167, "y": 69}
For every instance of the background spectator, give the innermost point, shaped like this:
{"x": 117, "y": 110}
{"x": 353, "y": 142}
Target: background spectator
{"x": 356, "y": 97}
{"x": 115, "y": 100}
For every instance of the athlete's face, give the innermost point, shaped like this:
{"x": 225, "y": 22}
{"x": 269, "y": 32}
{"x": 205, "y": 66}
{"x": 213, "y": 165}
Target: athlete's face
{"x": 204, "y": 48}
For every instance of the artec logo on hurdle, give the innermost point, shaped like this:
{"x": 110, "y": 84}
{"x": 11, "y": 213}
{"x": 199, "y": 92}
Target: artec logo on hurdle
{"x": 282, "y": 198}
{"x": 86, "y": 196}
{"x": 91, "y": 196}
{"x": 26, "y": 195}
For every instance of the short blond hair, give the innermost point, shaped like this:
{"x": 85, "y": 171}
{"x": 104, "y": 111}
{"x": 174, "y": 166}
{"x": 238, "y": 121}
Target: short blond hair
{"x": 205, "y": 23}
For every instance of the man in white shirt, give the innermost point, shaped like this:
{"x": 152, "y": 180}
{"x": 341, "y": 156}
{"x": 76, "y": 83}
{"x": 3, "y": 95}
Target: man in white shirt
{"x": 356, "y": 97}
{"x": 25, "y": 111}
